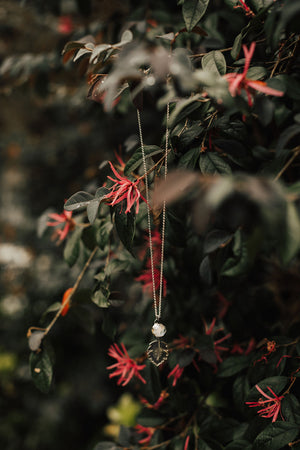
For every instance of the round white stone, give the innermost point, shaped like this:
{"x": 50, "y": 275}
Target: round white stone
{"x": 159, "y": 330}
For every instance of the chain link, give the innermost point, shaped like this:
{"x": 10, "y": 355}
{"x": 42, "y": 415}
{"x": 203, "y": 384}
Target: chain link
{"x": 157, "y": 304}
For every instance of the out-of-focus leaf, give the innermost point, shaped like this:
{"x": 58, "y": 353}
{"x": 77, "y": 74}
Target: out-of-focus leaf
{"x": 97, "y": 51}
{"x": 214, "y": 62}
{"x": 184, "y": 108}
{"x": 290, "y": 241}
{"x": 192, "y": 11}
{"x": 215, "y": 239}
{"x": 41, "y": 370}
{"x": 205, "y": 270}
{"x": 107, "y": 445}
{"x": 238, "y": 264}
{"x": 237, "y": 45}
{"x": 149, "y": 418}
{"x": 100, "y": 298}
{"x": 35, "y": 340}
{"x": 71, "y": 250}
{"x": 233, "y": 365}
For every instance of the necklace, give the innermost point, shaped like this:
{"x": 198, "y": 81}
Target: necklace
{"x": 157, "y": 351}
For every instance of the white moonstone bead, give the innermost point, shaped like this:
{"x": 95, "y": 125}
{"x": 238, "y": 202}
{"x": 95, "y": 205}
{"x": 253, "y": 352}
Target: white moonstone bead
{"x": 159, "y": 330}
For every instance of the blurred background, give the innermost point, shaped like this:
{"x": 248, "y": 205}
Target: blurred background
{"x": 52, "y": 142}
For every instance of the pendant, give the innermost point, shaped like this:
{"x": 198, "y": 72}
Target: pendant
{"x": 157, "y": 352}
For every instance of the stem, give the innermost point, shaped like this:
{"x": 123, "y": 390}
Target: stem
{"x": 291, "y": 444}
{"x": 290, "y": 386}
{"x": 296, "y": 151}
{"x": 76, "y": 284}
{"x": 152, "y": 168}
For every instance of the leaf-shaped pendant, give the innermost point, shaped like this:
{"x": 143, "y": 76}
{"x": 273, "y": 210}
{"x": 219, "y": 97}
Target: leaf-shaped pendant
{"x": 157, "y": 352}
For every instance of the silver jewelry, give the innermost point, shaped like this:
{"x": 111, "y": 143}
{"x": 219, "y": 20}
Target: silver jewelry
{"x": 157, "y": 351}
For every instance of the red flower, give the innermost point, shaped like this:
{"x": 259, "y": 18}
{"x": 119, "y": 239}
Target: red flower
{"x": 149, "y": 431}
{"x": 245, "y": 8}
{"x": 146, "y": 280}
{"x": 163, "y": 395}
{"x": 186, "y": 443}
{"x": 238, "y": 81}
{"x": 65, "y": 25}
{"x": 58, "y": 220}
{"x": 218, "y": 348}
{"x": 66, "y": 301}
{"x": 272, "y": 406}
{"x": 146, "y": 277}
{"x": 126, "y": 367}
{"x": 176, "y": 373}
{"x": 124, "y": 189}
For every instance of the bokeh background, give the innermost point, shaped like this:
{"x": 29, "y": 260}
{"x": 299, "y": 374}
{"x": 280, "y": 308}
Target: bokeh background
{"x": 52, "y": 142}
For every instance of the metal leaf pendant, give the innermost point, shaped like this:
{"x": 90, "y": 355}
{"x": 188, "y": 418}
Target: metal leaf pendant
{"x": 157, "y": 352}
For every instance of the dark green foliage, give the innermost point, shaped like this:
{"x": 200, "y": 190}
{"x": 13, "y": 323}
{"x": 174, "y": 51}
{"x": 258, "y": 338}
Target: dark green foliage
{"x": 232, "y": 244}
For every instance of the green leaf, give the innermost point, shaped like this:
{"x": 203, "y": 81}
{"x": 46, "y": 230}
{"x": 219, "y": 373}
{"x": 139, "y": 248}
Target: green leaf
{"x": 277, "y": 384}
{"x": 149, "y": 418}
{"x": 103, "y": 233}
{"x": 152, "y": 388}
{"x": 137, "y": 158}
{"x": 239, "y": 444}
{"x": 72, "y": 247}
{"x": 212, "y": 163}
{"x": 237, "y": 45}
{"x": 257, "y": 73}
{"x": 206, "y": 348}
{"x": 92, "y": 210}
{"x": 100, "y": 298}
{"x": 41, "y": 370}
{"x": 189, "y": 159}
{"x": 183, "y": 109}
{"x": 240, "y": 390}
{"x": 276, "y": 436}
{"x": 125, "y": 225}
{"x": 78, "y": 200}
{"x": 291, "y": 408}
{"x": 215, "y": 239}
{"x": 192, "y": 11}
{"x": 214, "y": 62}
{"x": 238, "y": 264}
{"x": 73, "y": 45}
{"x": 290, "y": 241}
{"x": 205, "y": 270}
{"x": 233, "y": 365}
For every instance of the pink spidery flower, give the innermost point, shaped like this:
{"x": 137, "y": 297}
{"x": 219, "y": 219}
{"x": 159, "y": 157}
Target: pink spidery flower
{"x": 272, "y": 406}
{"x": 124, "y": 189}
{"x": 186, "y": 443}
{"x": 218, "y": 348}
{"x": 149, "y": 431}
{"x": 176, "y": 373}
{"x": 238, "y": 81}
{"x": 65, "y": 218}
{"x": 162, "y": 397}
{"x": 245, "y": 8}
{"x": 125, "y": 367}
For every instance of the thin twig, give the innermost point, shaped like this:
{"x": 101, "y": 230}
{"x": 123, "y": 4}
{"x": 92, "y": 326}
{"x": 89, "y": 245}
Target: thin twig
{"x": 296, "y": 151}
{"x": 79, "y": 278}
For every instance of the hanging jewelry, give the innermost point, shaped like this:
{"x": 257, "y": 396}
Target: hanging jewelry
{"x": 157, "y": 351}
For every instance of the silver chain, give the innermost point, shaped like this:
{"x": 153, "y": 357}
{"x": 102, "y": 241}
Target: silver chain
{"x": 157, "y": 305}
